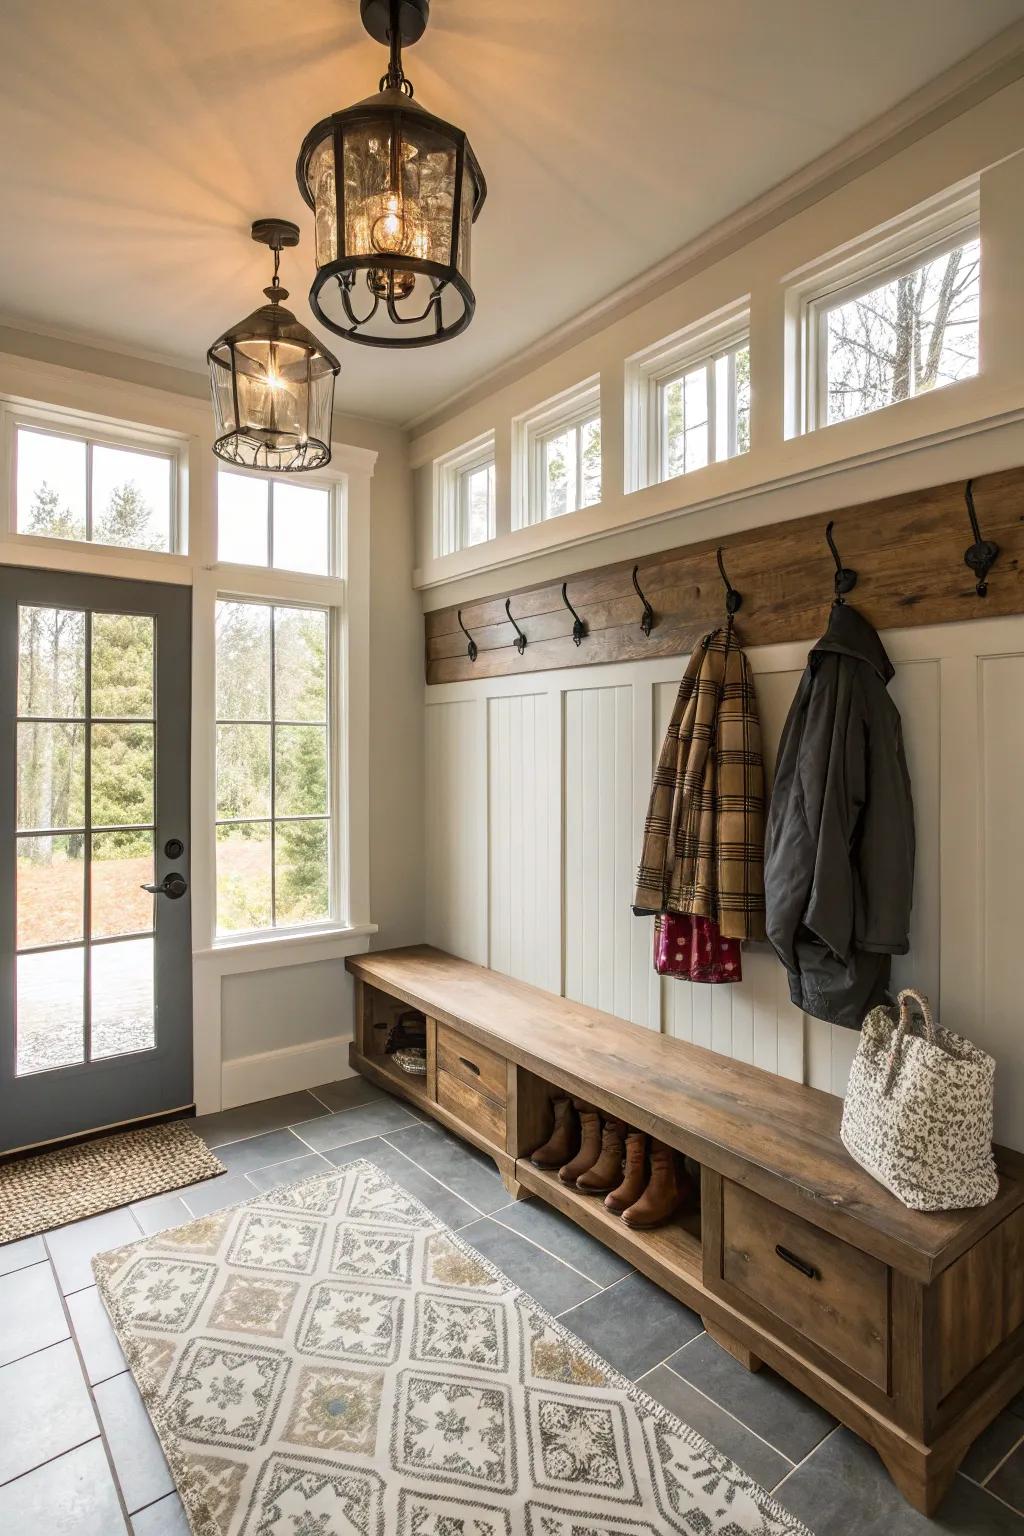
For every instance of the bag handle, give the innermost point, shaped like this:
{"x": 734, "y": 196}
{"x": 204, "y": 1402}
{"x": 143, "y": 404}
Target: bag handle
{"x": 904, "y": 1026}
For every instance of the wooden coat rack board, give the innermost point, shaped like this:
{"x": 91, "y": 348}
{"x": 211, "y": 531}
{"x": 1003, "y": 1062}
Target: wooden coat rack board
{"x": 908, "y": 552}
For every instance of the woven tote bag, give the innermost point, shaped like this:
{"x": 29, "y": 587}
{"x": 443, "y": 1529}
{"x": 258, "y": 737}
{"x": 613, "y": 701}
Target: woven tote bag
{"x": 918, "y": 1109}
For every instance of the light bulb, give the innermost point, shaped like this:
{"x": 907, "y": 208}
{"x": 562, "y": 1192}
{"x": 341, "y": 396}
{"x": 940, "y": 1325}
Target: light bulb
{"x": 388, "y": 233}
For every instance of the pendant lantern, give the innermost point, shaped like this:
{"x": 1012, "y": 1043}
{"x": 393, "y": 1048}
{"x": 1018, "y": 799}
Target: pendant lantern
{"x": 394, "y": 191}
{"x": 272, "y": 380}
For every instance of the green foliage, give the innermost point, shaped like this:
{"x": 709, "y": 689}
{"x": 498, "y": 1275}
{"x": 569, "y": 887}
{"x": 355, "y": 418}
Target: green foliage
{"x": 48, "y": 518}
{"x": 125, "y": 520}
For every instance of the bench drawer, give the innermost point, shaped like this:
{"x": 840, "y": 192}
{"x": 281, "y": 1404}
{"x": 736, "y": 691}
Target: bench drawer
{"x": 481, "y": 1068}
{"x": 834, "y": 1294}
{"x": 473, "y": 1108}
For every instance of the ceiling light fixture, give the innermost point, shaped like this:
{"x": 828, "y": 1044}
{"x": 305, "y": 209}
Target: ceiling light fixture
{"x": 272, "y": 380}
{"x": 395, "y": 192}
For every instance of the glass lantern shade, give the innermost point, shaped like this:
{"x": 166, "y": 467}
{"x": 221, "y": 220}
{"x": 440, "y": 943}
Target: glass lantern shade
{"x": 394, "y": 192}
{"x": 273, "y": 393}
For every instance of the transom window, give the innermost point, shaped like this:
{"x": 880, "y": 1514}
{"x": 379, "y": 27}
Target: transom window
{"x": 274, "y": 523}
{"x": 558, "y": 452}
{"x": 898, "y": 332}
{"x": 703, "y": 412}
{"x": 94, "y": 490}
{"x": 273, "y": 835}
{"x": 464, "y": 496}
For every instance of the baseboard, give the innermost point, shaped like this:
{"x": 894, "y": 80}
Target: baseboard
{"x": 287, "y": 1070}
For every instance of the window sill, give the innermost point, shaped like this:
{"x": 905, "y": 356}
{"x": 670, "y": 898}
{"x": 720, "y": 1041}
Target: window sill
{"x": 286, "y": 939}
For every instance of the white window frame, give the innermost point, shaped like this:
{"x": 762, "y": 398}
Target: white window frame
{"x": 96, "y": 431}
{"x": 566, "y": 412}
{"x": 336, "y": 877}
{"x": 322, "y": 482}
{"x": 700, "y": 345}
{"x": 874, "y": 260}
{"x": 451, "y": 497}
{"x": 346, "y": 597}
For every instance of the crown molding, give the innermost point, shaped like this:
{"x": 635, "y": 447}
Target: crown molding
{"x": 989, "y": 69}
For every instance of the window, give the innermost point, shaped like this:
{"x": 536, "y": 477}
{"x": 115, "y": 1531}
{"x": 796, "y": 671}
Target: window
{"x": 896, "y": 335}
{"x": 703, "y": 413}
{"x": 273, "y": 834}
{"x": 688, "y": 400}
{"x": 95, "y": 490}
{"x": 558, "y": 450}
{"x": 464, "y": 497}
{"x": 892, "y": 315}
{"x": 275, "y": 523}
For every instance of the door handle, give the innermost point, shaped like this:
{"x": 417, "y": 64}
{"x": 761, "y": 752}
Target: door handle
{"x": 171, "y": 885}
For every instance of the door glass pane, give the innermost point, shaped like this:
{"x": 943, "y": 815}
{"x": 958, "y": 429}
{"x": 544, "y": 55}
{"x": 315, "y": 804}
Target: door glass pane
{"x": 51, "y": 662}
{"x": 243, "y": 771}
{"x": 301, "y": 873}
{"x": 50, "y": 1010}
{"x": 123, "y": 1018}
{"x": 131, "y": 498}
{"x": 300, "y": 663}
{"x": 242, "y": 512}
{"x": 302, "y": 516}
{"x": 51, "y": 485}
{"x": 243, "y": 877}
{"x": 121, "y": 863}
{"x": 243, "y": 661}
{"x": 51, "y": 776}
{"x": 51, "y": 891}
{"x": 122, "y": 665}
{"x": 301, "y": 784}
{"x": 122, "y": 774}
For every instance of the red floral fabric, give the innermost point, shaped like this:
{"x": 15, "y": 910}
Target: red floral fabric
{"x": 693, "y": 948}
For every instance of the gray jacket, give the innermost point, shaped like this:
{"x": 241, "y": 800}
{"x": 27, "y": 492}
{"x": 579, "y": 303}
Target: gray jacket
{"x": 839, "y": 850}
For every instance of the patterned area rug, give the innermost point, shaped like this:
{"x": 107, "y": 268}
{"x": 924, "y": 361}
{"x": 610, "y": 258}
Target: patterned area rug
{"x": 52, "y": 1188}
{"x": 328, "y": 1360}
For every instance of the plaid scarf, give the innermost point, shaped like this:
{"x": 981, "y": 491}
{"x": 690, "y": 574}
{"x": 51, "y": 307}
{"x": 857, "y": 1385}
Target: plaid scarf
{"x": 703, "y": 848}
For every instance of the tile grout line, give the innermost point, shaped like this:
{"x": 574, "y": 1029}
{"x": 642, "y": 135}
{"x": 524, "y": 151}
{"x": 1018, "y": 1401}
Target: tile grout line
{"x": 798, "y": 1464}
{"x": 729, "y": 1414}
{"x": 1002, "y": 1462}
{"x": 496, "y": 1216}
{"x": 100, "y": 1426}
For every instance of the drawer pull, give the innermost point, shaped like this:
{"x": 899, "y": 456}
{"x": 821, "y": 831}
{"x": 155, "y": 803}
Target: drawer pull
{"x": 791, "y": 1258}
{"x": 470, "y": 1064}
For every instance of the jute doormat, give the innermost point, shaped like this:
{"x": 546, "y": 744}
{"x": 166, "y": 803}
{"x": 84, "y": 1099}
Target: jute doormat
{"x": 328, "y": 1358}
{"x": 53, "y": 1188}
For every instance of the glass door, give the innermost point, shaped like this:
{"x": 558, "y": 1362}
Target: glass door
{"x": 95, "y": 947}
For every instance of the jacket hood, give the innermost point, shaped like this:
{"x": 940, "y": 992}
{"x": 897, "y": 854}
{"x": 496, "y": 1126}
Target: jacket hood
{"x": 850, "y": 634}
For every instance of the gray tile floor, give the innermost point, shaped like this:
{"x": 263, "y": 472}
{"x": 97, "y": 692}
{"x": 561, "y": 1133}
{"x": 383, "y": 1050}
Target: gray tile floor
{"x": 78, "y": 1455}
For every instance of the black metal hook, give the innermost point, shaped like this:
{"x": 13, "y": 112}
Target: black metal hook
{"x": 472, "y": 650}
{"x": 733, "y": 599}
{"x": 520, "y": 641}
{"x": 647, "y": 622}
{"x": 846, "y": 579}
{"x": 579, "y": 628}
{"x": 983, "y": 553}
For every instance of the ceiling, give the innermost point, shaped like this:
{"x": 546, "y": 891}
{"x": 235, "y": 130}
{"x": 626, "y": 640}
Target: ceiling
{"x": 141, "y": 140}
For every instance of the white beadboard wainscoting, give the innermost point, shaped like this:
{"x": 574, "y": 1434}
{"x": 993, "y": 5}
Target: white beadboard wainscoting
{"x": 536, "y": 791}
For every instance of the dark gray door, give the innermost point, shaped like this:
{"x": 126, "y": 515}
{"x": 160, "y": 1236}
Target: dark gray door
{"x": 95, "y": 970}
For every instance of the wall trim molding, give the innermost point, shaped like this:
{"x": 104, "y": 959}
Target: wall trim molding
{"x": 989, "y": 69}
{"x": 267, "y": 1074}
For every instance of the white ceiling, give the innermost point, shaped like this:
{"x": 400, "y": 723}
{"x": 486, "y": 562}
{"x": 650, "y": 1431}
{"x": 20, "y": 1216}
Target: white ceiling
{"x": 140, "y": 140}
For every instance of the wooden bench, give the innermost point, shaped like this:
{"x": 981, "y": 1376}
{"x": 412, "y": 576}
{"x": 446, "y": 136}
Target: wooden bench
{"x": 905, "y": 1326}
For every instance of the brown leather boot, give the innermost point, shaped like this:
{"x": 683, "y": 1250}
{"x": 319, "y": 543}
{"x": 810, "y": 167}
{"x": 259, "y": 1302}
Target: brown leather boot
{"x": 590, "y": 1143}
{"x": 561, "y": 1144}
{"x": 635, "y": 1180}
{"x": 606, "y": 1173}
{"x": 668, "y": 1190}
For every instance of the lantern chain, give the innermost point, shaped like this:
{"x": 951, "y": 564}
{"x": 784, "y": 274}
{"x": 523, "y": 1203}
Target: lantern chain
{"x": 396, "y": 78}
